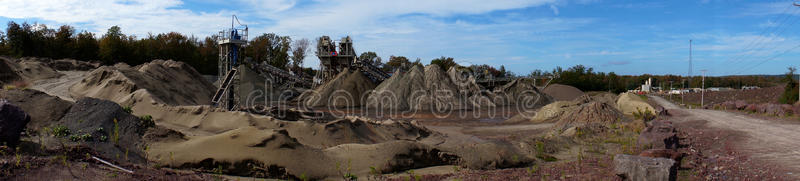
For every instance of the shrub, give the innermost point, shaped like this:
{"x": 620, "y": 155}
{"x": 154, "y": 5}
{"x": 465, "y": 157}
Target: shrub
{"x": 127, "y": 109}
{"x": 60, "y": 131}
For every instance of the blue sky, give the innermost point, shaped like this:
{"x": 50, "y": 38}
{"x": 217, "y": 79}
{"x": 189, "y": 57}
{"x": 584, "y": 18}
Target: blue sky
{"x": 626, "y": 37}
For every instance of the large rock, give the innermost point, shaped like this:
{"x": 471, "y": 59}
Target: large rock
{"x": 660, "y": 134}
{"x": 637, "y": 168}
{"x": 12, "y": 123}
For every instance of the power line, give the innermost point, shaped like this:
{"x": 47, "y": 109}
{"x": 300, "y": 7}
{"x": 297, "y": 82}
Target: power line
{"x": 761, "y": 37}
{"x": 768, "y": 59}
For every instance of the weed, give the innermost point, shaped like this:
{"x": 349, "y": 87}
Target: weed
{"x": 456, "y": 168}
{"x": 61, "y": 131}
{"x": 373, "y": 171}
{"x": 533, "y": 169}
{"x": 147, "y": 121}
{"x": 126, "y": 154}
{"x": 515, "y": 158}
{"x": 127, "y": 109}
{"x": 172, "y": 158}
{"x": 18, "y": 156}
{"x": 546, "y": 157}
{"x": 303, "y": 177}
{"x": 115, "y": 134}
{"x": 646, "y": 115}
{"x": 83, "y": 166}
{"x": 83, "y": 137}
{"x": 112, "y": 174}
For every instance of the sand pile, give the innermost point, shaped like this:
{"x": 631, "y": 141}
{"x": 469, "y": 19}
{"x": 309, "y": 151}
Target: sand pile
{"x": 628, "y": 103}
{"x": 399, "y": 92}
{"x": 347, "y": 89}
{"x": 24, "y": 70}
{"x": 46, "y": 109}
{"x": 168, "y": 82}
{"x": 561, "y": 92}
{"x": 468, "y": 88}
{"x": 558, "y": 110}
{"x": 521, "y": 93}
{"x": 427, "y": 89}
{"x": 255, "y": 89}
{"x": 589, "y": 114}
{"x": 64, "y": 64}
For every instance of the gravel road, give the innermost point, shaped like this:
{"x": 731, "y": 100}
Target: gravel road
{"x": 768, "y": 140}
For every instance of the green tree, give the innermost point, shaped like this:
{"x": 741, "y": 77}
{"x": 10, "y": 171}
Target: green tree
{"x": 299, "y": 50}
{"x": 790, "y": 93}
{"x": 63, "y": 43}
{"x": 112, "y": 47}
{"x": 396, "y": 62}
{"x": 270, "y": 48}
{"x": 86, "y": 46}
{"x": 444, "y": 63}
{"x": 371, "y": 58}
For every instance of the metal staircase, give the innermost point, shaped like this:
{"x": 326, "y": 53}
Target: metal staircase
{"x": 223, "y": 87}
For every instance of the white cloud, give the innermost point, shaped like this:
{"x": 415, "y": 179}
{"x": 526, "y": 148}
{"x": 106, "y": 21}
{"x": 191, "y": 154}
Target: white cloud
{"x": 554, "y": 8}
{"x": 135, "y": 16}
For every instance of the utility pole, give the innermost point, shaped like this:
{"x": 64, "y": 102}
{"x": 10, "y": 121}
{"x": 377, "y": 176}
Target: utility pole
{"x": 703, "y": 90}
{"x": 690, "y": 64}
{"x": 682, "y": 80}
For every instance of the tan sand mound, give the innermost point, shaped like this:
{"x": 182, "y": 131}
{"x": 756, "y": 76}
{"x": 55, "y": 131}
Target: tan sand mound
{"x": 549, "y": 113}
{"x": 629, "y": 103}
{"x": 25, "y": 70}
{"x": 168, "y": 82}
{"x": 589, "y": 114}
{"x": 561, "y": 92}
{"x": 273, "y": 153}
{"x": 44, "y": 109}
{"x": 347, "y": 89}
{"x": 8, "y": 72}
{"x": 427, "y": 89}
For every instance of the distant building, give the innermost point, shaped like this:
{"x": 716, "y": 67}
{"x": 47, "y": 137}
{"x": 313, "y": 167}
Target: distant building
{"x": 647, "y": 87}
{"x": 750, "y": 87}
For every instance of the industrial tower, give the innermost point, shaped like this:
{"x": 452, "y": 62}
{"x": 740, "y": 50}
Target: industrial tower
{"x": 231, "y": 42}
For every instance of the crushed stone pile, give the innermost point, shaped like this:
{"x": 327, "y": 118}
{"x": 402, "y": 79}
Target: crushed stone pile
{"x": 167, "y": 82}
{"x": 48, "y": 109}
{"x": 561, "y": 92}
{"x": 428, "y": 88}
{"x": 521, "y": 93}
{"x": 630, "y": 103}
{"x": 469, "y": 88}
{"x": 348, "y": 89}
{"x": 106, "y": 128}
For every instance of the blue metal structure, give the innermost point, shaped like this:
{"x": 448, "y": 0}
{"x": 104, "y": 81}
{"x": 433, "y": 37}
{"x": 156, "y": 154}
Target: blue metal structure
{"x": 230, "y": 41}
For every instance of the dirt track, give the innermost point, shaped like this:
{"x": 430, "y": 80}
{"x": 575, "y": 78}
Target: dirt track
{"x": 771, "y": 141}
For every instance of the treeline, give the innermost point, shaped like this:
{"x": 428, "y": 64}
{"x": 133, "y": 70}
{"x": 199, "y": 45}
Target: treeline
{"x": 37, "y": 40}
{"x": 586, "y": 79}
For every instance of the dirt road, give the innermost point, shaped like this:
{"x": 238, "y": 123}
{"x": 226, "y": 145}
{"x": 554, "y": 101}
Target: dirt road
{"x": 767, "y": 140}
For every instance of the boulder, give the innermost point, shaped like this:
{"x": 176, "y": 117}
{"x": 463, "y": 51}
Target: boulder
{"x": 631, "y": 167}
{"x": 662, "y": 153}
{"x": 740, "y": 104}
{"x": 12, "y": 123}
{"x": 660, "y": 134}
